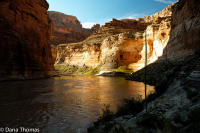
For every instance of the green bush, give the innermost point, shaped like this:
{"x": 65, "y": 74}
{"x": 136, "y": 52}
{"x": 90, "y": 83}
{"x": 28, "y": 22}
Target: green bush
{"x": 123, "y": 69}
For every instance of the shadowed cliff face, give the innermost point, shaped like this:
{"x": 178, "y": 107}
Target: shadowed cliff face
{"x": 185, "y": 32}
{"x": 25, "y": 31}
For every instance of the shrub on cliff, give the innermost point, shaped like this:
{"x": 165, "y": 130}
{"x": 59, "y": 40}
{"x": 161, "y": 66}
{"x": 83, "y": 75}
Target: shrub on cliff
{"x": 130, "y": 107}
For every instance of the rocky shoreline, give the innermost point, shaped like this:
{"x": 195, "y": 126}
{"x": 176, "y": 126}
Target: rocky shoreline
{"x": 176, "y": 108}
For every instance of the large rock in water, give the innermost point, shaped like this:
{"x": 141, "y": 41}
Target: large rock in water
{"x": 25, "y": 31}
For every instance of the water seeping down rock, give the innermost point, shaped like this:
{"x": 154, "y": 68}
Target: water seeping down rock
{"x": 25, "y": 31}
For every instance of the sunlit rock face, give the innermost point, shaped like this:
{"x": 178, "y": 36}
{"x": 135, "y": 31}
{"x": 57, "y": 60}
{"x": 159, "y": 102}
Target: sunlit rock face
{"x": 25, "y": 31}
{"x": 129, "y": 49}
{"x": 121, "y": 43}
{"x": 121, "y": 50}
{"x": 78, "y": 55}
{"x": 157, "y": 36}
{"x": 90, "y": 52}
{"x": 172, "y": 33}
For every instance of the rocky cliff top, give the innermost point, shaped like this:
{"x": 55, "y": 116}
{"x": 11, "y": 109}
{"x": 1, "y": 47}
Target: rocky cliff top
{"x": 96, "y": 27}
{"x": 64, "y": 20}
{"x": 67, "y": 29}
{"x": 135, "y": 25}
{"x": 159, "y": 16}
{"x": 119, "y": 26}
{"x": 128, "y": 26}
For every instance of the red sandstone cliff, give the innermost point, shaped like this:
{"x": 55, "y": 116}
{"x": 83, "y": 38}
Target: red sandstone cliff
{"x": 95, "y": 27}
{"x": 67, "y": 29}
{"x": 68, "y": 21}
{"x": 25, "y": 31}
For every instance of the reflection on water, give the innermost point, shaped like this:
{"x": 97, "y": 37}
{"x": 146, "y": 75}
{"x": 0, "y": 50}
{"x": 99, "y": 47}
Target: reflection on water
{"x": 63, "y": 104}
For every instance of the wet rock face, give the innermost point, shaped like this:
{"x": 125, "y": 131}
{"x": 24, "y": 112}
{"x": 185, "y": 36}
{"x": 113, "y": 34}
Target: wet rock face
{"x": 25, "y": 31}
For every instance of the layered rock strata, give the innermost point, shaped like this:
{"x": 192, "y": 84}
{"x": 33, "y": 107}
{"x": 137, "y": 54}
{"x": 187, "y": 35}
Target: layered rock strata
{"x": 171, "y": 34}
{"x": 67, "y": 29}
{"x": 120, "y": 43}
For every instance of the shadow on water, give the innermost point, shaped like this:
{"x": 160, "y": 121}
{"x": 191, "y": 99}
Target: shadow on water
{"x": 63, "y": 104}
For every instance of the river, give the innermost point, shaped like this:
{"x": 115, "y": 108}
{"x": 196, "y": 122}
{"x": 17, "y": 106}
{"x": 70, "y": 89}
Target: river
{"x": 66, "y": 104}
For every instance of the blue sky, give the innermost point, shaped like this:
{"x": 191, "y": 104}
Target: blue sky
{"x": 90, "y": 12}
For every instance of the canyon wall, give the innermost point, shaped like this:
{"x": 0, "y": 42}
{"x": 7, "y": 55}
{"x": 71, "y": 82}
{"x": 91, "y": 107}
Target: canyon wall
{"x": 67, "y": 29}
{"x": 171, "y": 34}
{"x": 25, "y": 31}
{"x": 64, "y": 20}
{"x": 185, "y": 33}
{"x": 120, "y": 43}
